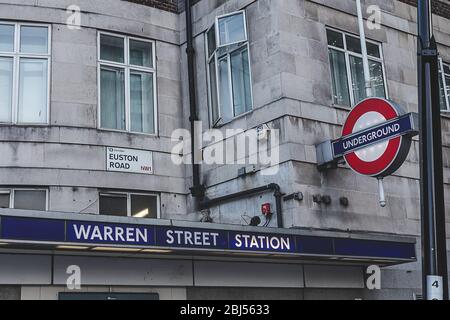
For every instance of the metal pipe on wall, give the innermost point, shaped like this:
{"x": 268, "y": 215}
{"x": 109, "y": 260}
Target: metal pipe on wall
{"x": 208, "y": 203}
{"x": 197, "y": 190}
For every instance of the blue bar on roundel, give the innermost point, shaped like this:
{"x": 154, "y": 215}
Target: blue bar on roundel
{"x": 374, "y": 135}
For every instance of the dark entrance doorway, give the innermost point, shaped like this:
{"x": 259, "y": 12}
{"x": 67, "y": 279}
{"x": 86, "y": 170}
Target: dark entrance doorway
{"x": 107, "y": 296}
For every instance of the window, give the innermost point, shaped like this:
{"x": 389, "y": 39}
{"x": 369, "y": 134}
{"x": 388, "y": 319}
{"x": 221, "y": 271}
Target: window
{"x": 444, "y": 85}
{"x": 229, "y": 74}
{"x": 24, "y": 199}
{"x": 127, "y": 82}
{"x": 24, "y": 73}
{"x": 347, "y": 72}
{"x": 129, "y": 205}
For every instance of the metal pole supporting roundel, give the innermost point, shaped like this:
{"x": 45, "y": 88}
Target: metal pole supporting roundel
{"x": 368, "y": 82}
{"x": 365, "y": 59}
{"x": 434, "y": 251}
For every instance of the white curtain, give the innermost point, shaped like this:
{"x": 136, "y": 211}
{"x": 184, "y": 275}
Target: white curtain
{"x": 112, "y": 98}
{"x": 6, "y": 75}
{"x": 142, "y": 106}
{"x": 33, "y": 90}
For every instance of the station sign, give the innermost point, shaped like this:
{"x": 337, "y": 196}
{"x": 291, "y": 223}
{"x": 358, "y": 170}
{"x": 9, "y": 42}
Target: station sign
{"x": 129, "y": 160}
{"x": 35, "y": 231}
{"x": 376, "y": 137}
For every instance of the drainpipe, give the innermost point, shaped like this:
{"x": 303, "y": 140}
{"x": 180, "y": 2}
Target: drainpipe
{"x": 208, "y": 203}
{"x": 197, "y": 190}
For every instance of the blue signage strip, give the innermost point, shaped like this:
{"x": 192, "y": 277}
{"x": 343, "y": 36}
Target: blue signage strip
{"x": 13, "y": 228}
{"x": 106, "y": 233}
{"x": 368, "y": 248}
{"x": 258, "y": 242}
{"x": 98, "y": 233}
{"x": 191, "y": 238}
{"x": 376, "y": 134}
{"x": 315, "y": 245}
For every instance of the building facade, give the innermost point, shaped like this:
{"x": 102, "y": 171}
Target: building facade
{"x": 90, "y": 87}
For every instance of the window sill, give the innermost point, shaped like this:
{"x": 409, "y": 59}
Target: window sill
{"x": 150, "y": 135}
{"x": 10, "y": 124}
{"x": 243, "y": 115}
{"x": 341, "y": 107}
{"x": 445, "y": 114}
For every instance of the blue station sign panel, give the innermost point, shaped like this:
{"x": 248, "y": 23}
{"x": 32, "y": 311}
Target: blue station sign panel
{"x": 32, "y": 229}
{"x": 107, "y": 233}
{"x": 383, "y": 132}
{"x": 191, "y": 238}
{"x": 257, "y": 242}
{"x": 67, "y": 232}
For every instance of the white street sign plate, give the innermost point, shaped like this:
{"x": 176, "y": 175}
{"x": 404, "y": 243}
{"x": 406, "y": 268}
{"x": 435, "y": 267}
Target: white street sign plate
{"x": 129, "y": 160}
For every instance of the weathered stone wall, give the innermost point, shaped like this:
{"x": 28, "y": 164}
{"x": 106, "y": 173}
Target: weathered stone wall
{"x": 68, "y": 155}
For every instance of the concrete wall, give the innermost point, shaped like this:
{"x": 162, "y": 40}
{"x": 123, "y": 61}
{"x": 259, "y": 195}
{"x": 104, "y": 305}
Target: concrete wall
{"x": 68, "y": 156}
{"x": 292, "y": 93}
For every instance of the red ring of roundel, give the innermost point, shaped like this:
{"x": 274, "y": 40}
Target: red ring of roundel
{"x": 380, "y": 165}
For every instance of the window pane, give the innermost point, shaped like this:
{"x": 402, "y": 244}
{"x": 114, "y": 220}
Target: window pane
{"x": 446, "y": 69}
{"x": 335, "y": 39}
{"x": 447, "y": 86}
{"x": 224, "y": 85}
{"x": 33, "y": 39}
{"x": 211, "y": 41}
{"x": 6, "y": 38}
{"x": 442, "y": 95}
{"x": 142, "y": 107}
{"x": 6, "y": 83}
{"x": 377, "y": 79}
{"x": 353, "y": 44}
{"x": 339, "y": 78}
{"x": 232, "y": 29}
{"x": 30, "y": 200}
{"x": 144, "y": 206}
{"x": 373, "y": 50}
{"x": 4, "y": 200}
{"x": 113, "y": 205}
{"x": 213, "y": 84}
{"x": 358, "y": 82}
{"x": 112, "y": 98}
{"x": 241, "y": 82}
{"x": 33, "y": 90}
{"x": 112, "y": 48}
{"x": 141, "y": 53}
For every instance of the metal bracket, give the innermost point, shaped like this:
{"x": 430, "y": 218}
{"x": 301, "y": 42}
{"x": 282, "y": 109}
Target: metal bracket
{"x": 428, "y": 52}
{"x": 295, "y": 196}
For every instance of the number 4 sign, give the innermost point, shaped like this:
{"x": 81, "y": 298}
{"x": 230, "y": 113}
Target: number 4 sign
{"x": 435, "y": 288}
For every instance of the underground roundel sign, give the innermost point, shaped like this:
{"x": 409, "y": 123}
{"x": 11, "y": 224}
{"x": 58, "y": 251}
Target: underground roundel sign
{"x": 376, "y": 137}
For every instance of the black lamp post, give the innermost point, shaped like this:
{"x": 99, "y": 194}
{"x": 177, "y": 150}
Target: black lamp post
{"x": 434, "y": 252}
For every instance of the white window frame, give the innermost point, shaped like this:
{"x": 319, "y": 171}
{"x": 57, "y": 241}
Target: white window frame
{"x": 12, "y": 192}
{"x": 444, "y": 82}
{"x": 209, "y": 58}
{"x": 348, "y": 53}
{"x": 128, "y": 195}
{"x": 216, "y": 25}
{"x": 16, "y": 55}
{"x": 127, "y": 67}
